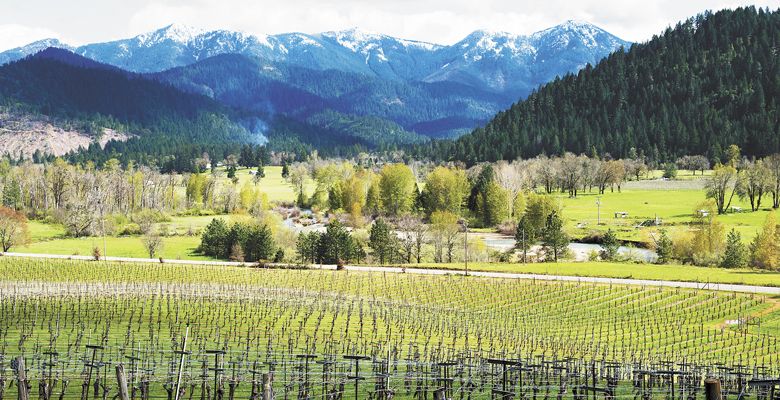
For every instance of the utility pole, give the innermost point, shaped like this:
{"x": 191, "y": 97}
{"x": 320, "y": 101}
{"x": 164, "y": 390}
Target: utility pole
{"x": 183, "y": 352}
{"x": 524, "y": 248}
{"x": 598, "y": 210}
{"x": 466, "y": 246}
{"x": 102, "y": 224}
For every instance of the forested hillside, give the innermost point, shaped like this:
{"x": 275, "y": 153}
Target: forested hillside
{"x": 163, "y": 121}
{"x": 711, "y": 81}
{"x": 168, "y": 127}
{"x": 439, "y": 109}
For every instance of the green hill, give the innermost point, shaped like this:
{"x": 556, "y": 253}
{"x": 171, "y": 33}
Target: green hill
{"x": 711, "y": 81}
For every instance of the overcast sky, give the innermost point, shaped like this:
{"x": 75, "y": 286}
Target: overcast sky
{"x": 439, "y": 21}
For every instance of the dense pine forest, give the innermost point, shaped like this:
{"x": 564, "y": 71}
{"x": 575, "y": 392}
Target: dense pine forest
{"x": 167, "y": 126}
{"x": 711, "y": 81}
{"x": 170, "y": 127}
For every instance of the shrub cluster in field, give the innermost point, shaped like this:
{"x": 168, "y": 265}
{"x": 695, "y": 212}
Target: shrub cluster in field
{"x": 241, "y": 241}
{"x": 707, "y": 244}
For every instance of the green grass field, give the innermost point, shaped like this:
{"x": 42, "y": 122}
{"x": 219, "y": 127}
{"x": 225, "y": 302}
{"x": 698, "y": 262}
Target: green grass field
{"x": 273, "y": 185}
{"x": 682, "y": 273}
{"x": 176, "y": 247}
{"x": 674, "y": 207}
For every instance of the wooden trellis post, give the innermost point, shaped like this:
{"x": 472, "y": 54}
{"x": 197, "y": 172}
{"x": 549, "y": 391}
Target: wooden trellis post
{"x": 712, "y": 389}
{"x": 47, "y": 382}
{"x": 122, "y": 382}
{"x": 444, "y": 379}
{"x": 217, "y": 371}
{"x": 267, "y": 387}
{"x": 21, "y": 379}
{"x": 503, "y": 392}
{"x": 92, "y": 365}
{"x": 303, "y": 384}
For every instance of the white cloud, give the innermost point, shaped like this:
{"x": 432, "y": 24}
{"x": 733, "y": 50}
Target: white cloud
{"x": 15, "y": 35}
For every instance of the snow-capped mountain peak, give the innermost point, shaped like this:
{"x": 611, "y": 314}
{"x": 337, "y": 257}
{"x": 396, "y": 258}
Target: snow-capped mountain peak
{"x": 32, "y": 48}
{"x": 355, "y": 39}
{"x": 589, "y": 35}
{"x": 577, "y": 24}
{"x": 482, "y": 43}
{"x": 50, "y": 42}
{"x": 177, "y": 33}
{"x": 481, "y": 33}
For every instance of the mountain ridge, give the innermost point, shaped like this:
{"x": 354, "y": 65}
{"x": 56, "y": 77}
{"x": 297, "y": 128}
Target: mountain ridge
{"x": 344, "y": 83}
{"x": 350, "y": 50}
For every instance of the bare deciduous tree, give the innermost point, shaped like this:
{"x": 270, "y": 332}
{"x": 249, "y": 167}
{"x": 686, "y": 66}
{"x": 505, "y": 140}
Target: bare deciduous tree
{"x": 773, "y": 165}
{"x": 412, "y": 232}
{"x": 722, "y": 186}
{"x": 153, "y": 243}
{"x": 754, "y": 181}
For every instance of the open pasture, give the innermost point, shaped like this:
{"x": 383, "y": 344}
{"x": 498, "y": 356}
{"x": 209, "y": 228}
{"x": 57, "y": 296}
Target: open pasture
{"x": 174, "y": 247}
{"x": 674, "y": 207}
{"x": 273, "y": 184}
{"x": 405, "y": 325}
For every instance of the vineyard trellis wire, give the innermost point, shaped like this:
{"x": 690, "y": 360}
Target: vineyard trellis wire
{"x": 305, "y": 376}
{"x": 319, "y": 333}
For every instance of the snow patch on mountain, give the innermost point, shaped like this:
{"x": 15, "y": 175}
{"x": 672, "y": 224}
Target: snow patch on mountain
{"x": 419, "y": 45}
{"x": 175, "y": 32}
{"x": 30, "y": 49}
{"x": 355, "y": 39}
{"x": 483, "y": 43}
{"x": 301, "y": 39}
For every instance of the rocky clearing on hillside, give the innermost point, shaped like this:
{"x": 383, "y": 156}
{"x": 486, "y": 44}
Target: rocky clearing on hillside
{"x": 22, "y": 134}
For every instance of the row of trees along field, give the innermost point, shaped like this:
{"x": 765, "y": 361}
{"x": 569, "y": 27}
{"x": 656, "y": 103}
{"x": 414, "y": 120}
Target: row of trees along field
{"x": 752, "y": 180}
{"x": 426, "y": 203}
{"x": 76, "y": 194}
